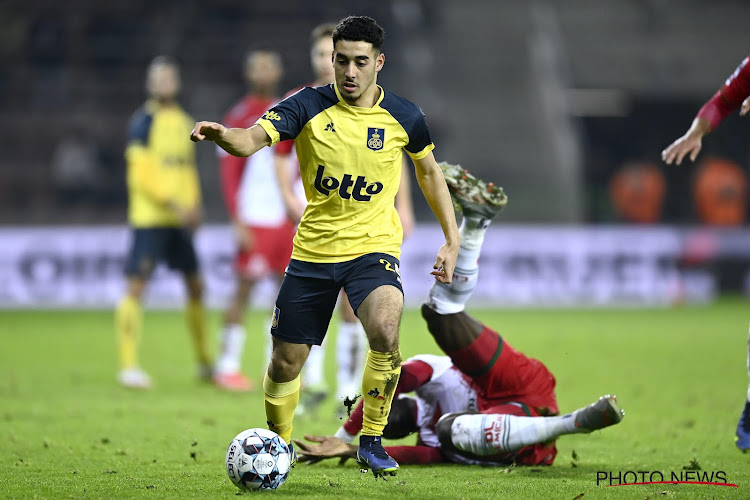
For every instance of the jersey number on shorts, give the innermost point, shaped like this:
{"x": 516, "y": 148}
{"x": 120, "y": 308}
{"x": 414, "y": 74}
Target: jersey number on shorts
{"x": 390, "y": 267}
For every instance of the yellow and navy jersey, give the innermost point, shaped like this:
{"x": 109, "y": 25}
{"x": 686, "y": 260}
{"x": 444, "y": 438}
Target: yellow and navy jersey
{"x": 350, "y": 162}
{"x": 161, "y": 165}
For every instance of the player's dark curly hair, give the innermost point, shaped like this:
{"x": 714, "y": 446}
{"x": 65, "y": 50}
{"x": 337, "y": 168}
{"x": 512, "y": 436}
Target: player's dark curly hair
{"x": 359, "y": 28}
{"x": 402, "y": 419}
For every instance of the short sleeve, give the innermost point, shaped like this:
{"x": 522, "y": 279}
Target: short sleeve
{"x": 420, "y": 143}
{"x": 140, "y": 127}
{"x": 285, "y": 120}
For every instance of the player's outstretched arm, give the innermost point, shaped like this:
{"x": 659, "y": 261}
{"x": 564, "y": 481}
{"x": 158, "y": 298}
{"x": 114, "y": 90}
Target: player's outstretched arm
{"x": 327, "y": 447}
{"x": 689, "y": 144}
{"x": 432, "y": 183}
{"x": 235, "y": 141}
{"x": 733, "y": 94}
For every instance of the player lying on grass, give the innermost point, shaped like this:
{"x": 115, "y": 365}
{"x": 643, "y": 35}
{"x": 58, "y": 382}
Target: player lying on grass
{"x": 484, "y": 403}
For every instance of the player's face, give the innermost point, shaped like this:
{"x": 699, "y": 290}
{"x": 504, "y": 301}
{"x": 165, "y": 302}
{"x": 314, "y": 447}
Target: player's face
{"x": 163, "y": 82}
{"x": 264, "y": 71}
{"x": 356, "y": 65}
{"x": 320, "y": 58}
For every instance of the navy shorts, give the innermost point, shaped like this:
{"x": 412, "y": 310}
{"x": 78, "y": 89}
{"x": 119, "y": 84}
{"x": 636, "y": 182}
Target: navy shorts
{"x": 309, "y": 291}
{"x": 172, "y": 245}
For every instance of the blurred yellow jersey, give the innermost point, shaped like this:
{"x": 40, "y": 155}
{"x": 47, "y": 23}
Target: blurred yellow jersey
{"x": 161, "y": 165}
{"x": 350, "y": 162}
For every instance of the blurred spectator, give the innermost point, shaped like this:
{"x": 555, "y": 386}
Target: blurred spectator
{"x": 637, "y": 191}
{"x": 720, "y": 190}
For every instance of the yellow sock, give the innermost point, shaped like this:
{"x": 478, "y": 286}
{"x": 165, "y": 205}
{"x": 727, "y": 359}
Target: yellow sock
{"x": 281, "y": 401}
{"x": 128, "y": 322}
{"x": 378, "y": 386}
{"x": 196, "y": 320}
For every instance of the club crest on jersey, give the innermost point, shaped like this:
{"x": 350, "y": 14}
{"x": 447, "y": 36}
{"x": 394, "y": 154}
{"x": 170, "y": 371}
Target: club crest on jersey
{"x": 375, "y": 138}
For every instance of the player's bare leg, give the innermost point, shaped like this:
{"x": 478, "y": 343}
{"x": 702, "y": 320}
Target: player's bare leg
{"x": 452, "y": 332}
{"x": 195, "y": 316}
{"x": 380, "y": 314}
{"x": 227, "y": 374}
{"x": 129, "y": 325}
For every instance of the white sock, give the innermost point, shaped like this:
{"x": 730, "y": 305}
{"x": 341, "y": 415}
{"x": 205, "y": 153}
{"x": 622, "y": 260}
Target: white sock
{"x": 351, "y": 353}
{"x": 452, "y": 298}
{"x": 230, "y": 349}
{"x": 493, "y": 434}
{"x": 312, "y": 374}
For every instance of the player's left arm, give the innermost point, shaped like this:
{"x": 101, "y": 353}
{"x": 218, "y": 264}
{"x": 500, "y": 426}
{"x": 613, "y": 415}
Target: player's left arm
{"x": 403, "y": 199}
{"x": 432, "y": 183}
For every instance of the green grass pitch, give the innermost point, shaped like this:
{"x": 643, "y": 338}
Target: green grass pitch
{"x": 68, "y": 431}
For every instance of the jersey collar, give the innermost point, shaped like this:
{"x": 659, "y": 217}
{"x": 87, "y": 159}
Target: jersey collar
{"x": 358, "y": 108}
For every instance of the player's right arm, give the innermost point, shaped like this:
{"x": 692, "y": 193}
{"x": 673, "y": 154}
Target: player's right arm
{"x": 283, "y": 121}
{"x": 735, "y": 93}
{"x": 235, "y": 141}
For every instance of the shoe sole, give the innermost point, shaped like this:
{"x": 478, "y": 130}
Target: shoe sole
{"x": 463, "y": 186}
{"x": 391, "y": 471}
{"x": 612, "y": 411}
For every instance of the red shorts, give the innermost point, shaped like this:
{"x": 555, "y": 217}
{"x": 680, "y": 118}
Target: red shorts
{"x": 271, "y": 252}
{"x": 504, "y": 375}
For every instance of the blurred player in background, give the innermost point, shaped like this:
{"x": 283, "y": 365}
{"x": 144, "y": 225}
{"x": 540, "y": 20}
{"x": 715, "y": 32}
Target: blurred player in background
{"x": 349, "y": 141}
{"x": 735, "y": 93}
{"x": 351, "y": 341}
{"x": 164, "y": 211}
{"x": 262, "y": 230}
{"x": 485, "y": 403}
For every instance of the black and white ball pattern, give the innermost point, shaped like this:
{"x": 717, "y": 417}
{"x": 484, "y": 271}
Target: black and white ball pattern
{"x": 258, "y": 459}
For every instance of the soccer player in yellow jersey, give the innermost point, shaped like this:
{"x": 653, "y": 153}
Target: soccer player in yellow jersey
{"x": 349, "y": 137}
{"x": 164, "y": 211}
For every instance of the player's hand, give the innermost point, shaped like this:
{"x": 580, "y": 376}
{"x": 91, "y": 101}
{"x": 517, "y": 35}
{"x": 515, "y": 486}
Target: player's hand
{"x": 745, "y": 107}
{"x": 327, "y": 447}
{"x": 189, "y": 217}
{"x": 243, "y": 235}
{"x": 688, "y": 145}
{"x": 445, "y": 263}
{"x": 193, "y": 218}
{"x": 295, "y": 208}
{"x": 207, "y": 131}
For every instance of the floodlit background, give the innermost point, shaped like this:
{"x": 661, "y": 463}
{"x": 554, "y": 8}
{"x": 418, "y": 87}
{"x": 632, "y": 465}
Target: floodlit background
{"x": 565, "y": 104}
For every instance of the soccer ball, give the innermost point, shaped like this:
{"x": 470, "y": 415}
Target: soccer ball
{"x": 258, "y": 459}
